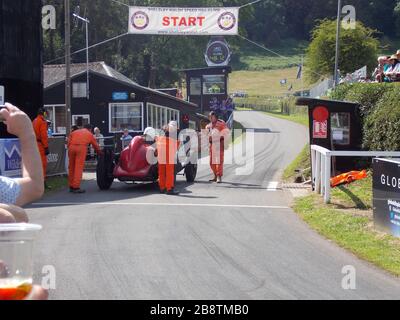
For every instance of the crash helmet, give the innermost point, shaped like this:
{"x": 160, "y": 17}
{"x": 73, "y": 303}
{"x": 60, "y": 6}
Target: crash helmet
{"x": 150, "y": 132}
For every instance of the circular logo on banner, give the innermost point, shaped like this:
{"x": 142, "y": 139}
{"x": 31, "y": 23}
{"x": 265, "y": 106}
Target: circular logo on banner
{"x": 140, "y": 20}
{"x": 321, "y": 114}
{"x": 218, "y": 53}
{"x": 227, "y": 21}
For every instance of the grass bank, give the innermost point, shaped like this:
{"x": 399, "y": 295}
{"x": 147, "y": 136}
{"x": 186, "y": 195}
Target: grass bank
{"x": 265, "y": 83}
{"x": 302, "y": 163}
{"x": 56, "y": 184}
{"x": 348, "y": 221}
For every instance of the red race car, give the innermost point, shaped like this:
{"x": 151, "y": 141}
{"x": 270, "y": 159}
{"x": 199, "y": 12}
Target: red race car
{"x": 133, "y": 165}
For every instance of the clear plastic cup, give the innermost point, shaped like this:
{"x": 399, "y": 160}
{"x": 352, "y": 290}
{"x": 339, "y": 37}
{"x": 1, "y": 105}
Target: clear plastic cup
{"x": 16, "y": 259}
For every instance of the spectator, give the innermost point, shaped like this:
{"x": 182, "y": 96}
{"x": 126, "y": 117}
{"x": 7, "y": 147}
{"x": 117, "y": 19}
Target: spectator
{"x": 126, "y": 139}
{"x": 49, "y": 129}
{"x": 31, "y": 186}
{"x": 100, "y": 140}
{"x": 99, "y": 137}
{"x": 383, "y": 66}
{"x": 393, "y": 72}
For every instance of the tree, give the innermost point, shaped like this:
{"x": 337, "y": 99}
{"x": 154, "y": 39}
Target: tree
{"x": 397, "y": 18}
{"x": 358, "y": 48}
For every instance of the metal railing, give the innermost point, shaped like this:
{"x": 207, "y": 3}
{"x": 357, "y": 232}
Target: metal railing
{"x": 321, "y": 160}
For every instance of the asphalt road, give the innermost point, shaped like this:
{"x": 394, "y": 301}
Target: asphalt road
{"x": 238, "y": 240}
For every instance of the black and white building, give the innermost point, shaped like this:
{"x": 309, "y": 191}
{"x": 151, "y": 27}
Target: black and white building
{"x": 115, "y": 102}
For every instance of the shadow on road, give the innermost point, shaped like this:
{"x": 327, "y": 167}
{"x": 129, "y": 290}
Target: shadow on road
{"x": 119, "y": 192}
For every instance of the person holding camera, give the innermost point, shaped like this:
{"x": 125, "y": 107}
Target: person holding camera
{"x": 30, "y": 187}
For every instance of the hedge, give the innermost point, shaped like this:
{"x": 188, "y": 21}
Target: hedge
{"x": 380, "y": 112}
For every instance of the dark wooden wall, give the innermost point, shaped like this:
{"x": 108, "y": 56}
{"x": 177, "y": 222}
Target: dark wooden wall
{"x": 21, "y": 54}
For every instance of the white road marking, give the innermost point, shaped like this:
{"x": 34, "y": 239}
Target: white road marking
{"x": 273, "y": 186}
{"x": 160, "y": 205}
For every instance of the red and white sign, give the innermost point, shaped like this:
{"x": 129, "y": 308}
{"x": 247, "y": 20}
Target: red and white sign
{"x": 320, "y": 130}
{"x": 320, "y": 123}
{"x": 184, "y": 21}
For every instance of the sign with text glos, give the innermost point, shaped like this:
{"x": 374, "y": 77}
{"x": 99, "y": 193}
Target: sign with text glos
{"x": 386, "y": 194}
{"x": 184, "y": 21}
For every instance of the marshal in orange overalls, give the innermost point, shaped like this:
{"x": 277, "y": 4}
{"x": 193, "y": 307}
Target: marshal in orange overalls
{"x": 218, "y": 135}
{"x": 77, "y": 150}
{"x": 40, "y": 128}
{"x": 166, "y": 153}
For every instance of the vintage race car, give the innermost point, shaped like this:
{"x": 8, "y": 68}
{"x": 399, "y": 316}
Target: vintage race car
{"x": 133, "y": 165}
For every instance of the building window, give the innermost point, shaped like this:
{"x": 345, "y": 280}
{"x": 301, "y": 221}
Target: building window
{"x": 159, "y": 116}
{"x": 126, "y": 116}
{"x": 340, "y": 126}
{"x": 80, "y": 120}
{"x": 79, "y": 90}
{"x": 56, "y": 114}
{"x": 213, "y": 84}
{"x": 195, "y": 86}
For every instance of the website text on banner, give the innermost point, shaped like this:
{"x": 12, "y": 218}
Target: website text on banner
{"x": 184, "y": 21}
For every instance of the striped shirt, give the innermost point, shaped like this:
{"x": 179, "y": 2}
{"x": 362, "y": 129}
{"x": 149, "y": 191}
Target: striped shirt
{"x": 9, "y": 190}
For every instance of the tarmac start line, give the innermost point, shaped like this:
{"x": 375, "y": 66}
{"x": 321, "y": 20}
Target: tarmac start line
{"x": 159, "y": 205}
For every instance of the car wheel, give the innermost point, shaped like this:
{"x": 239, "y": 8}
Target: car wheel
{"x": 104, "y": 172}
{"x": 191, "y": 172}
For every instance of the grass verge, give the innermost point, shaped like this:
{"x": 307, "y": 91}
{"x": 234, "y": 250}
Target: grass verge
{"x": 348, "y": 221}
{"x": 300, "y": 118}
{"x": 56, "y": 183}
{"x": 302, "y": 162}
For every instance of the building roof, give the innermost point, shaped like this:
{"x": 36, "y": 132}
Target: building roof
{"x": 55, "y": 75}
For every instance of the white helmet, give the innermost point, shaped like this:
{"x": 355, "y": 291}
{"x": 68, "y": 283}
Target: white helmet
{"x": 173, "y": 124}
{"x": 150, "y": 132}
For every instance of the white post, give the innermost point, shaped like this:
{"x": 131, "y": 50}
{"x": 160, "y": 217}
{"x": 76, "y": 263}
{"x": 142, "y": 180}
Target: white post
{"x": 318, "y": 173}
{"x": 313, "y": 164}
{"x": 323, "y": 174}
{"x": 87, "y": 62}
{"x": 327, "y": 182}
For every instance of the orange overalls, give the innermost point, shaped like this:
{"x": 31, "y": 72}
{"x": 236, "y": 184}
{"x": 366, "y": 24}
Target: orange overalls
{"x": 218, "y": 135}
{"x": 40, "y": 128}
{"x": 77, "y": 150}
{"x": 166, "y": 153}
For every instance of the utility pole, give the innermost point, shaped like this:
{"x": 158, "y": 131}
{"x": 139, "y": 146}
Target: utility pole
{"x": 336, "y": 73}
{"x": 86, "y": 21}
{"x": 67, "y": 66}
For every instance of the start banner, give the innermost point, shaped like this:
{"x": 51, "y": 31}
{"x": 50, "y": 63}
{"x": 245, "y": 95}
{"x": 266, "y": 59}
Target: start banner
{"x": 184, "y": 21}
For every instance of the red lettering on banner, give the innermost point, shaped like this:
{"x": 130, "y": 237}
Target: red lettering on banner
{"x": 201, "y": 19}
{"x": 192, "y": 22}
{"x": 183, "y": 21}
{"x": 174, "y": 19}
{"x": 166, "y": 21}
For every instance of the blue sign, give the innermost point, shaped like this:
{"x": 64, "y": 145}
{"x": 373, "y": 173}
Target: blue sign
{"x": 120, "y": 96}
{"x": 10, "y": 158}
{"x": 387, "y": 195}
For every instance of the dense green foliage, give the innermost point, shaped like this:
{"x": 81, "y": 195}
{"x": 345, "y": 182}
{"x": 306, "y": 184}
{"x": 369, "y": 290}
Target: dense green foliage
{"x": 382, "y": 126}
{"x": 156, "y": 61}
{"x": 380, "y": 112}
{"x": 358, "y": 48}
